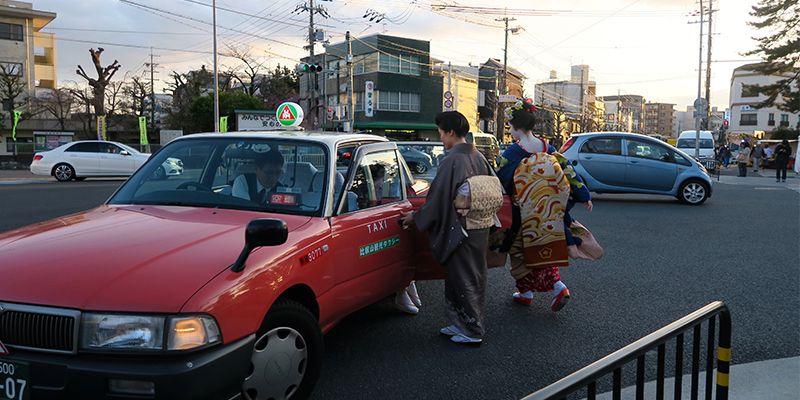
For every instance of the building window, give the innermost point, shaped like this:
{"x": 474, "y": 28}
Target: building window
{"x": 11, "y": 32}
{"x": 397, "y": 101}
{"x": 749, "y": 90}
{"x": 771, "y": 120}
{"x": 399, "y": 64}
{"x": 784, "y": 120}
{"x": 364, "y": 64}
{"x": 749, "y": 120}
{"x": 11, "y": 68}
{"x": 359, "y": 96}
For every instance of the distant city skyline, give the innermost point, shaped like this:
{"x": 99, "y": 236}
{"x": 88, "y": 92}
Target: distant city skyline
{"x": 643, "y": 47}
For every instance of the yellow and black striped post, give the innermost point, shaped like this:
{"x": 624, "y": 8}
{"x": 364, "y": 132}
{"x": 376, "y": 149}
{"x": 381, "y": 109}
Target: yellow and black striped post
{"x": 724, "y": 355}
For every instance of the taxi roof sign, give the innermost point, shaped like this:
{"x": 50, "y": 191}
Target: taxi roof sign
{"x": 289, "y": 114}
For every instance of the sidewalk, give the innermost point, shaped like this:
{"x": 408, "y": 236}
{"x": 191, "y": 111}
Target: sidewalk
{"x": 764, "y": 178}
{"x": 768, "y": 380}
{"x": 20, "y": 174}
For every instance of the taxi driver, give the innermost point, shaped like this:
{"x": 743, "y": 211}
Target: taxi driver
{"x": 259, "y": 187}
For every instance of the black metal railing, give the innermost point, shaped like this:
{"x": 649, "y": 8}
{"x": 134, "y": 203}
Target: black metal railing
{"x": 588, "y": 377}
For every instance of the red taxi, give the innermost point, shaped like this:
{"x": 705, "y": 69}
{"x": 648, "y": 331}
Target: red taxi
{"x": 186, "y": 288}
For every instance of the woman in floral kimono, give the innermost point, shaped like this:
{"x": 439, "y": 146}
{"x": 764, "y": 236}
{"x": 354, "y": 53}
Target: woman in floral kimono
{"x": 540, "y": 180}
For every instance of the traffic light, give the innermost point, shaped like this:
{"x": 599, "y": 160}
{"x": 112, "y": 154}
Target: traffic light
{"x": 309, "y": 68}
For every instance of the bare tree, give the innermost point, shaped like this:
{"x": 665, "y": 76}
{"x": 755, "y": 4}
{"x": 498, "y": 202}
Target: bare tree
{"x": 12, "y": 86}
{"x": 136, "y": 94}
{"x": 104, "y": 75}
{"x": 82, "y": 108}
{"x": 249, "y": 74}
{"x": 114, "y": 97}
{"x": 59, "y": 103}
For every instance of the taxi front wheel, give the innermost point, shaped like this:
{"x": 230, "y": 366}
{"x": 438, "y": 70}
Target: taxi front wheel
{"x": 287, "y": 356}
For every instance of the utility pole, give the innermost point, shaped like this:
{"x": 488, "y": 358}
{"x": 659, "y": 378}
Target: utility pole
{"x": 503, "y": 89}
{"x": 350, "y": 111}
{"x": 708, "y": 67}
{"x": 312, "y": 85}
{"x": 216, "y": 73}
{"x": 152, "y": 92}
{"x": 699, "y": 85}
{"x": 619, "y": 112}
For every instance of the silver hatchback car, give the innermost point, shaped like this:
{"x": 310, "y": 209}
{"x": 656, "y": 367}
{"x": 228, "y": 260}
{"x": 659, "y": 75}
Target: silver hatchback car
{"x": 617, "y": 162}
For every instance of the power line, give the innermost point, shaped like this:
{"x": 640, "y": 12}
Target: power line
{"x": 129, "y": 2}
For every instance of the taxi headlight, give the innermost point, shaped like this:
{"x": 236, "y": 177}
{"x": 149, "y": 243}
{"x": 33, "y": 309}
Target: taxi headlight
{"x": 122, "y": 332}
{"x": 142, "y": 332}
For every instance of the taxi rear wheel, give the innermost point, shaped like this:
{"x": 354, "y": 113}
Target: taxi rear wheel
{"x": 287, "y": 356}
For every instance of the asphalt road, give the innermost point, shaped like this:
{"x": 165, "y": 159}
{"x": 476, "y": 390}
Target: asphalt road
{"x": 663, "y": 260}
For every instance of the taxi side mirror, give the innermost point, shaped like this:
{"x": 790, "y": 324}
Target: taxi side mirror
{"x": 261, "y": 232}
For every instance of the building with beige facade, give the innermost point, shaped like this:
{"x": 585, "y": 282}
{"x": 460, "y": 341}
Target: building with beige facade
{"x": 659, "y": 119}
{"x": 29, "y": 54}
{"x": 462, "y": 83}
{"x": 24, "y": 49}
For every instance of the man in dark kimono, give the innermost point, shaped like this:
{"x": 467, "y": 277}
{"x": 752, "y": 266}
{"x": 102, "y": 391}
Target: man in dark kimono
{"x": 461, "y": 251}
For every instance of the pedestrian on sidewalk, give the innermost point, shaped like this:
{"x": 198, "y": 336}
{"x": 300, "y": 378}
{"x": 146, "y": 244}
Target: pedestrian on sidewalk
{"x": 719, "y": 154}
{"x": 782, "y": 154}
{"x": 768, "y": 154}
{"x": 531, "y": 171}
{"x": 757, "y": 154}
{"x": 742, "y": 158}
{"x": 728, "y": 153}
{"x": 461, "y": 250}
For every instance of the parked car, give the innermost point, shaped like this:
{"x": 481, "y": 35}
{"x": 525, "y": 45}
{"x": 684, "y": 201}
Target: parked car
{"x": 417, "y": 160}
{"x": 184, "y": 289}
{"x": 611, "y": 162}
{"x": 487, "y": 144}
{"x": 95, "y": 158}
{"x": 687, "y": 140}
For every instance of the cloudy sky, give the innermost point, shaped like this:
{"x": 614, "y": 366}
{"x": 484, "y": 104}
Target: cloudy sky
{"x": 645, "y": 47}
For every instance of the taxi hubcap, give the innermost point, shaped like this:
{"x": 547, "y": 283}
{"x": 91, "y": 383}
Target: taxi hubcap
{"x": 694, "y": 192}
{"x": 278, "y": 365}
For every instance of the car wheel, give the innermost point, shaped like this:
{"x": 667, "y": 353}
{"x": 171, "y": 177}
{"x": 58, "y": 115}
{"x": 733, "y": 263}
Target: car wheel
{"x": 693, "y": 192}
{"x": 287, "y": 356}
{"x": 420, "y": 168}
{"x": 160, "y": 173}
{"x": 63, "y": 172}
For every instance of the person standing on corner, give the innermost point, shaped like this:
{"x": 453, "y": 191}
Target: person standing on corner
{"x": 782, "y": 154}
{"x": 461, "y": 251}
{"x": 758, "y": 155}
{"x": 742, "y": 158}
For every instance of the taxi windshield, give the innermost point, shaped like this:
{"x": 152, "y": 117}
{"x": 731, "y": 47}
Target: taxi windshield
{"x": 271, "y": 175}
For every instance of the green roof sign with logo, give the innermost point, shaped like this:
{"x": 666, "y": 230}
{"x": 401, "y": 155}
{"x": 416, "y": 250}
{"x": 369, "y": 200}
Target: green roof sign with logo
{"x": 289, "y": 114}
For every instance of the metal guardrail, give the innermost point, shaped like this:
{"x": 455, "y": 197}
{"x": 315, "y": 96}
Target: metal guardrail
{"x": 613, "y": 363}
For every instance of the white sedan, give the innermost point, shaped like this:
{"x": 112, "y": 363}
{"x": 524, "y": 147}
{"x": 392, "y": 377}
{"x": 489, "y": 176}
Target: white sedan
{"x": 96, "y": 158}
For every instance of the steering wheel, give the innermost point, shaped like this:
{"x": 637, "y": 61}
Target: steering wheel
{"x": 197, "y": 185}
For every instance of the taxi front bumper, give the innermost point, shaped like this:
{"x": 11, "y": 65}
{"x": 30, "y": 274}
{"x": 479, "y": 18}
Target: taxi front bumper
{"x": 216, "y": 373}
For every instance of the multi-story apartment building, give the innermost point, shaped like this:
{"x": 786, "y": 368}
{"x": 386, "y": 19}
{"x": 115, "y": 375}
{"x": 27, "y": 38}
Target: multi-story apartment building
{"x": 490, "y": 79}
{"x": 28, "y": 60}
{"x": 407, "y": 93}
{"x": 746, "y": 117}
{"x": 659, "y": 119}
{"x": 628, "y": 109}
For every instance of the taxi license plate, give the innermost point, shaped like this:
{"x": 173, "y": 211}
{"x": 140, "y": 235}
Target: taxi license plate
{"x": 14, "y": 384}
